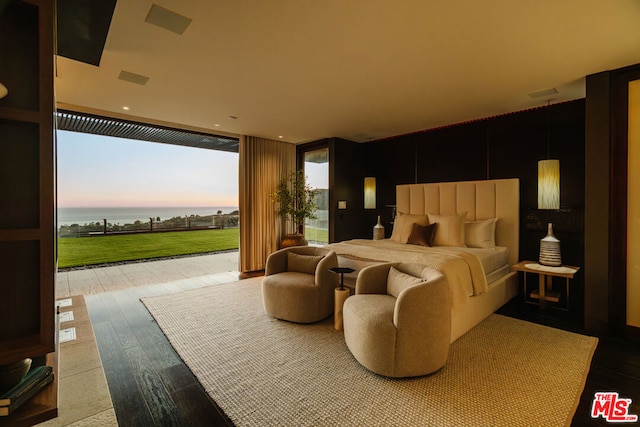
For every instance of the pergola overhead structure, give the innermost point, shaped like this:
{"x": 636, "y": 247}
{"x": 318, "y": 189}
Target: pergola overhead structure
{"x": 87, "y": 123}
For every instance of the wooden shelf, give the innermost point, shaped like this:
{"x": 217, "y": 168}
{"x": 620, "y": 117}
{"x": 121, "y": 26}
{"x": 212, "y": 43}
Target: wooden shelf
{"x": 28, "y": 199}
{"x": 42, "y": 407}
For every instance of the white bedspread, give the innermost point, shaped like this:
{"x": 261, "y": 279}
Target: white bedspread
{"x": 463, "y": 270}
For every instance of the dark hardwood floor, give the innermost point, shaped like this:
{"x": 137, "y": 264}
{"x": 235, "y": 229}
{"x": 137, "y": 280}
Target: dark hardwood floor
{"x": 150, "y": 385}
{"x": 148, "y": 382}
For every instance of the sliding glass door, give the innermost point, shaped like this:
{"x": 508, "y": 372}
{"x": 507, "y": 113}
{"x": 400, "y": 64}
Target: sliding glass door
{"x": 316, "y": 168}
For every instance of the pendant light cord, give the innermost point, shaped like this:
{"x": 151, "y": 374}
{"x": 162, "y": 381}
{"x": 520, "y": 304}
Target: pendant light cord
{"x": 548, "y": 131}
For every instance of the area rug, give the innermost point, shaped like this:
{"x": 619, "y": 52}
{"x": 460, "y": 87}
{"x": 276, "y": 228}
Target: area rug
{"x": 266, "y": 372}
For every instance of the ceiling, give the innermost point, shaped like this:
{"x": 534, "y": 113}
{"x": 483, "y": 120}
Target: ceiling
{"x": 302, "y": 70}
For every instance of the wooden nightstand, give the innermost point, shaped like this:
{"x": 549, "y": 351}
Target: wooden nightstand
{"x": 545, "y": 274}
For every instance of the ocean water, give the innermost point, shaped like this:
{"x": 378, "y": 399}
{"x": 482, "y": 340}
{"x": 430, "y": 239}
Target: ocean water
{"x": 81, "y": 216}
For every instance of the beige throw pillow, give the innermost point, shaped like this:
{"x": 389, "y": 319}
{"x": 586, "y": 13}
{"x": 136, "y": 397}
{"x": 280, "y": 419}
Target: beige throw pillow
{"x": 397, "y": 281}
{"x": 302, "y": 263}
{"x": 450, "y": 230}
{"x": 480, "y": 234}
{"x": 403, "y": 225}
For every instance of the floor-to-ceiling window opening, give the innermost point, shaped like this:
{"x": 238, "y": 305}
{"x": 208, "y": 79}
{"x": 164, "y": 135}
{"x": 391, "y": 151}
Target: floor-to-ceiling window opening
{"x": 316, "y": 167}
{"x": 134, "y": 183}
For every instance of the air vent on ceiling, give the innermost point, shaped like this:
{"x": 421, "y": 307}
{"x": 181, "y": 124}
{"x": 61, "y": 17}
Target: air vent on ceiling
{"x": 167, "y": 19}
{"x": 543, "y": 93}
{"x": 133, "y": 78}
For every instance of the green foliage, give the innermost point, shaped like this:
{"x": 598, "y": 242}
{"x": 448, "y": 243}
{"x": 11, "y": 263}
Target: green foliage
{"x": 74, "y": 252}
{"x": 316, "y": 235}
{"x": 296, "y": 199}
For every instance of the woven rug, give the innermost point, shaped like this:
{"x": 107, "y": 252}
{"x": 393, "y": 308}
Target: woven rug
{"x": 265, "y": 372}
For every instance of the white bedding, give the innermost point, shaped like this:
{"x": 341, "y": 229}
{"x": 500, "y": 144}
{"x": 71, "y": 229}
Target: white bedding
{"x": 464, "y": 268}
{"x": 492, "y": 259}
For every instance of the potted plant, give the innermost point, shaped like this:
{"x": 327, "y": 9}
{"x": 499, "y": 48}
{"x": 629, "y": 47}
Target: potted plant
{"x": 297, "y": 201}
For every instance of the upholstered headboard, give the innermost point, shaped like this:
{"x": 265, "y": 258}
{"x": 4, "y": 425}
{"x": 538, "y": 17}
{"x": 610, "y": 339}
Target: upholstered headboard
{"x": 497, "y": 198}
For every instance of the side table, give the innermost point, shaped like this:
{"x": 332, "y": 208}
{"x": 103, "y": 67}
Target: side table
{"x": 341, "y": 295}
{"x": 545, "y": 274}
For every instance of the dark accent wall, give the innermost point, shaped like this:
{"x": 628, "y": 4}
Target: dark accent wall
{"x": 347, "y": 167}
{"x": 598, "y": 129}
{"x": 507, "y": 146}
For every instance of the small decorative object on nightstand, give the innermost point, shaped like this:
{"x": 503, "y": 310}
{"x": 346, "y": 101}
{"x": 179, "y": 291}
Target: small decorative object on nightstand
{"x": 550, "y": 249}
{"x": 378, "y": 230}
{"x": 341, "y": 295}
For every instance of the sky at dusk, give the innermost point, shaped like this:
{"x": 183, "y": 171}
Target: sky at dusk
{"x": 101, "y": 171}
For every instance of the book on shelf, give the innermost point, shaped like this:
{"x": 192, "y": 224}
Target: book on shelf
{"x": 35, "y": 380}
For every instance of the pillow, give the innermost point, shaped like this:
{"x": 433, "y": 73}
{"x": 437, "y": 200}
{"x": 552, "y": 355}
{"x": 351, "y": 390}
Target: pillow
{"x": 403, "y": 225}
{"x": 422, "y": 234}
{"x": 480, "y": 234}
{"x": 302, "y": 263}
{"x": 450, "y": 230}
{"x": 397, "y": 281}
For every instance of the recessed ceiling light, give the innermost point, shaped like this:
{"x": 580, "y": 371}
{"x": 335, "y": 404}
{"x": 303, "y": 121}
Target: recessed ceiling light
{"x": 280, "y": 136}
{"x": 217, "y": 125}
{"x": 125, "y": 108}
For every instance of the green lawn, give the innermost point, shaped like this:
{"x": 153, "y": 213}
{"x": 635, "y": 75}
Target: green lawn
{"x": 320, "y": 235}
{"x": 74, "y": 252}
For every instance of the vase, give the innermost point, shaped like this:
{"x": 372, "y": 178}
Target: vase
{"x": 378, "y": 230}
{"x": 13, "y": 373}
{"x": 550, "y": 249}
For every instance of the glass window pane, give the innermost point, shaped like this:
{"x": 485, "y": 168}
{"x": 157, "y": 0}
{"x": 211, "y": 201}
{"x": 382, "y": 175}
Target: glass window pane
{"x": 316, "y": 167}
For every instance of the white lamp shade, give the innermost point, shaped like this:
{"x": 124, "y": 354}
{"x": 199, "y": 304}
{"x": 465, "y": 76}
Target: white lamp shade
{"x": 369, "y": 193}
{"x": 549, "y": 184}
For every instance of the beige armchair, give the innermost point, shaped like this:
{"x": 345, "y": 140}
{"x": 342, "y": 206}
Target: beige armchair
{"x": 298, "y": 285}
{"x": 398, "y": 324}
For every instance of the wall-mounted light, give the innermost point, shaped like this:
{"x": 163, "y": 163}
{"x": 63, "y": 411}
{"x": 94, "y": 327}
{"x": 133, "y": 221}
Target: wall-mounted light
{"x": 3, "y": 91}
{"x": 548, "y": 177}
{"x": 369, "y": 193}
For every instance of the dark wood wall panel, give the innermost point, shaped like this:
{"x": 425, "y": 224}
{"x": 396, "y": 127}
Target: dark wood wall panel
{"x": 19, "y": 21}
{"x": 392, "y": 162}
{"x": 507, "y": 146}
{"x": 19, "y": 317}
{"x": 347, "y": 162}
{"x": 19, "y": 169}
{"x": 27, "y": 182}
{"x": 457, "y": 153}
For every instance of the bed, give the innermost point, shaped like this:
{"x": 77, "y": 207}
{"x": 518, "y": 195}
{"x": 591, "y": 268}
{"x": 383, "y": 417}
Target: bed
{"x": 474, "y": 244}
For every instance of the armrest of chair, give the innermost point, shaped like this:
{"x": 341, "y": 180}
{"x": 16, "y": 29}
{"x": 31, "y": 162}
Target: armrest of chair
{"x": 276, "y": 262}
{"x": 373, "y": 279}
{"x": 323, "y": 275}
{"x": 431, "y": 298}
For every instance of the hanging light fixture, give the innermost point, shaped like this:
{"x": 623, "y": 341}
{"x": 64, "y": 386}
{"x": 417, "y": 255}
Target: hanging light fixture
{"x": 3, "y": 91}
{"x": 370, "y": 193}
{"x": 548, "y": 178}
